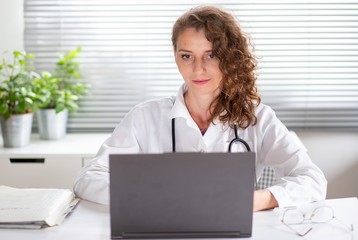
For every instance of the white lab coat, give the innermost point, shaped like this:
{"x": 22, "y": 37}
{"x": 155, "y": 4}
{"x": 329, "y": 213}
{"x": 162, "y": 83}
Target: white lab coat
{"x": 147, "y": 128}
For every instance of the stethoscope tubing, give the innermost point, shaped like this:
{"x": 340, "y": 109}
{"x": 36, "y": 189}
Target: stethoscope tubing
{"x": 235, "y": 140}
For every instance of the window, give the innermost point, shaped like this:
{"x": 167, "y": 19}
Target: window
{"x": 308, "y": 54}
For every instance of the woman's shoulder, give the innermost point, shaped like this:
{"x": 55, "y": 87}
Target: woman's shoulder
{"x": 263, "y": 109}
{"x": 156, "y": 105}
{"x": 266, "y": 116}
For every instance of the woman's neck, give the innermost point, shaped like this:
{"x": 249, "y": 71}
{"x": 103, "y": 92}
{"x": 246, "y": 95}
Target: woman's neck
{"x": 199, "y": 109}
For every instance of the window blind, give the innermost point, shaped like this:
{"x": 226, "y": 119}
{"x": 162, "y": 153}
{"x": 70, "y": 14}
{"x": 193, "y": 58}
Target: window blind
{"x": 307, "y": 51}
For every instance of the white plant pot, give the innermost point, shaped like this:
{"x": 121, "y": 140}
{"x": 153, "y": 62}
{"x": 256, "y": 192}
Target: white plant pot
{"x": 52, "y": 125}
{"x": 16, "y": 130}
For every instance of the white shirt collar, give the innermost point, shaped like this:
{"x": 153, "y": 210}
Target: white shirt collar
{"x": 179, "y": 108}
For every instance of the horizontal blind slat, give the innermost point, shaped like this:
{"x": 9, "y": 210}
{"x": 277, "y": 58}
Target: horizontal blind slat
{"x": 308, "y": 52}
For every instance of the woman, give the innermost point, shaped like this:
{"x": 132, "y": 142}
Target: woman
{"x": 218, "y": 99}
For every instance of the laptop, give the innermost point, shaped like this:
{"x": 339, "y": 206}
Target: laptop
{"x": 181, "y": 195}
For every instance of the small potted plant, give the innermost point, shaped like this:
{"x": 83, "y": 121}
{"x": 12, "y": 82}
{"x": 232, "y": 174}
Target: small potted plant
{"x": 17, "y": 99}
{"x": 62, "y": 91}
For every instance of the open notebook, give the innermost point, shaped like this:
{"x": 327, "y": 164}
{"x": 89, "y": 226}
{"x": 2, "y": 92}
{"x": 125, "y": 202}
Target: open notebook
{"x": 34, "y": 207}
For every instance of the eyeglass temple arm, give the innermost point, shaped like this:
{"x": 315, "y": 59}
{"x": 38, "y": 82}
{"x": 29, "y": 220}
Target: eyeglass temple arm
{"x": 298, "y": 233}
{"x": 349, "y": 226}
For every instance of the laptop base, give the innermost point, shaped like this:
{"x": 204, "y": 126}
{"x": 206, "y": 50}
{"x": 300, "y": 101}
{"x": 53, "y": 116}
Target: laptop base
{"x": 181, "y": 235}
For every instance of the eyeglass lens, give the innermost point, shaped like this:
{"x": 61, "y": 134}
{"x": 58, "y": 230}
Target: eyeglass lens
{"x": 319, "y": 215}
{"x": 322, "y": 214}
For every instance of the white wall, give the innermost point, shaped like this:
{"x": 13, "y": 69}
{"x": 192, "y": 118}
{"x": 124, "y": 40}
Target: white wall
{"x": 336, "y": 153}
{"x": 11, "y": 25}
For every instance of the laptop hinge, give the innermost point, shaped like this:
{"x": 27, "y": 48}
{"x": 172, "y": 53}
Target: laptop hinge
{"x": 182, "y": 235}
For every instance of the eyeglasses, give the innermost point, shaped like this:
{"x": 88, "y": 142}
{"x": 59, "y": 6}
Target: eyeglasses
{"x": 322, "y": 214}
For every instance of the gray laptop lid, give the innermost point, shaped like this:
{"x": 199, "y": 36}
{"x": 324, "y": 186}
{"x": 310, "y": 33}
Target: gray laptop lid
{"x": 178, "y": 195}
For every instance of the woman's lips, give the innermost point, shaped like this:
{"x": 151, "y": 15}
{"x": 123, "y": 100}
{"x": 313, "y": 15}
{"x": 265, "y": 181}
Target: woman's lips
{"x": 200, "y": 81}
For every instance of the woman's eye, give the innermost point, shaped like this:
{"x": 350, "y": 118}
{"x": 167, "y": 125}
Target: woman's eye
{"x": 185, "y": 56}
{"x": 211, "y": 55}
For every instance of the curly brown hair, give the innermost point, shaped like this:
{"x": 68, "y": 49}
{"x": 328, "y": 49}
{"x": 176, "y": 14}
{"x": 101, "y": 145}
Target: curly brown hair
{"x": 238, "y": 98}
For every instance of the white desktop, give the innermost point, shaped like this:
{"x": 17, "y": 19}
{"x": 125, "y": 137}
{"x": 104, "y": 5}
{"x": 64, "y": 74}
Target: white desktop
{"x": 92, "y": 221}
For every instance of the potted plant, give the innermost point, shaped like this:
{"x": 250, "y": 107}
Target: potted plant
{"x": 17, "y": 99}
{"x": 62, "y": 91}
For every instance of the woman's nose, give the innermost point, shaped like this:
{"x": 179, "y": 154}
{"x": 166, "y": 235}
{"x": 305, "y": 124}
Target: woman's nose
{"x": 198, "y": 66}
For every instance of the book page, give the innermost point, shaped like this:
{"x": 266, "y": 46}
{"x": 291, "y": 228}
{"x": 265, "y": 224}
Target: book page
{"x": 34, "y": 205}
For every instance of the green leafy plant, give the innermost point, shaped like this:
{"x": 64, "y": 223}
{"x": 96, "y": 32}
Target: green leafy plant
{"x": 62, "y": 89}
{"x": 16, "y": 87}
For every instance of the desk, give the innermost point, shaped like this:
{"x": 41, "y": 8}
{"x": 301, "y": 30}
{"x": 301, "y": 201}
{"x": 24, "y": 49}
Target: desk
{"x": 91, "y": 221}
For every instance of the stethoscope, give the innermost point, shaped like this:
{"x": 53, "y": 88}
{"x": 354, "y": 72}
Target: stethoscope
{"x": 235, "y": 140}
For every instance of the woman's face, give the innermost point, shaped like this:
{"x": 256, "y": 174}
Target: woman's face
{"x": 196, "y": 63}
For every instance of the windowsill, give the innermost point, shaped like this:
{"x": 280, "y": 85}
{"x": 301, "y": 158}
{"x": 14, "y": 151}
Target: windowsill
{"x": 73, "y": 144}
